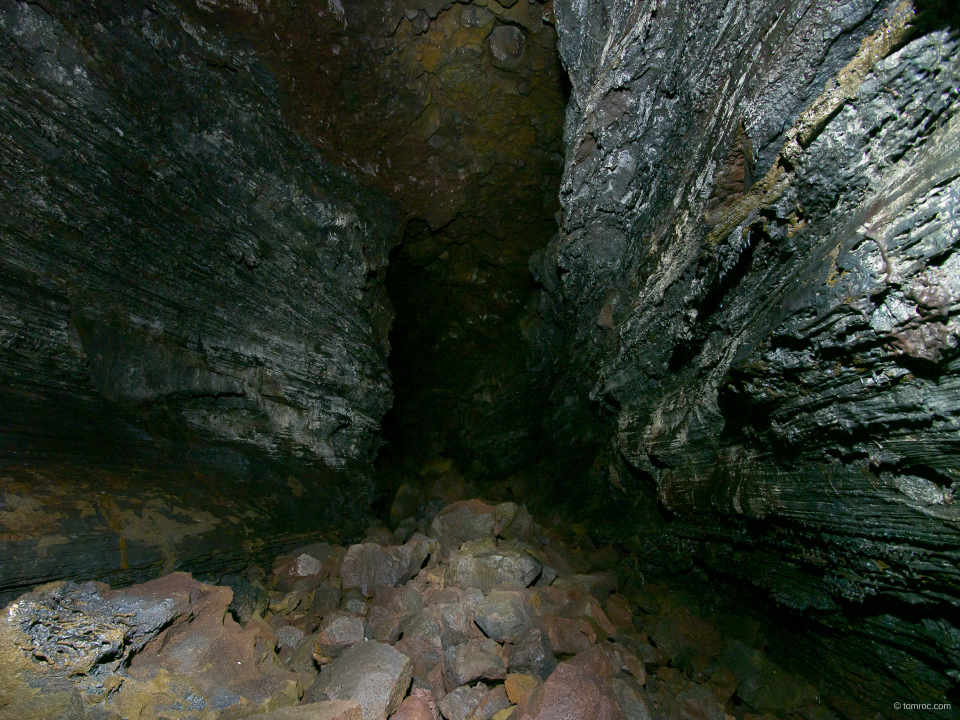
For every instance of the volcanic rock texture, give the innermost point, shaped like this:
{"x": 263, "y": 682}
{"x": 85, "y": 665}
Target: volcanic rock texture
{"x": 193, "y": 327}
{"x": 454, "y": 109}
{"x": 757, "y": 280}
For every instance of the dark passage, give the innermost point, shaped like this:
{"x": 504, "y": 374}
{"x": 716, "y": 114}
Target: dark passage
{"x": 525, "y": 359}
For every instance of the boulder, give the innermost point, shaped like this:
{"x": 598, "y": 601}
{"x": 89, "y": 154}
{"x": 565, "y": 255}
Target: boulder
{"x": 506, "y": 44}
{"x": 325, "y": 710}
{"x": 504, "y": 615}
{"x": 533, "y": 654}
{"x": 369, "y": 566}
{"x": 569, "y": 636}
{"x": 588, "y": 608}
{"x": 632, "y": 700}
{"x": 620, "y": 612}
{"x": 413, "y": 554}
{"x": 418, "y": 706}
{"x": 382, "y": 625}
{"x": 474, "y": 660}
{"x": 697, "y": 702}
{"x": 427, "y": 661}
{"x": 764, "y": 684}
{"x": 340, "y": 630}
{"x": 303, "y": 568}
{"x": 402, "y": 601}
{"x": 462, "y": 521}
{"x": 686, "y": 639}
{"x": 372, "y": 673}
{"x": 354, "y": 601}
{"x": 460, "y": 704}
{"x": 483, "y": 566}
{"x": 518, "y": 685}
{"x": 208, "y": 661}
{"x": 514, "y": 522}
{"x": 496, "y": 701}
{"x": 405, "y": 503}
{"x": 579, "y": 689}
{"x": 326, "y": 599}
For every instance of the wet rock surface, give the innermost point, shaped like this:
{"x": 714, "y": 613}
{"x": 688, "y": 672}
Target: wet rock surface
{"x": 183, "y": 656}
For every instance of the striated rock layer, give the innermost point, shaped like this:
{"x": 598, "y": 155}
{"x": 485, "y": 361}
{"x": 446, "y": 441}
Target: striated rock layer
{"x": 455, "y": 110}
{"x": 757, "y": 279}
{"x": 193, "y": 326}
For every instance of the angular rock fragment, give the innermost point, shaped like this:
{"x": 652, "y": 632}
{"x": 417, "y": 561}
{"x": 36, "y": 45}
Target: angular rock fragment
{"x": 698, "y": 701}
{"x": 533, "y": 654}
{"x": 289, "y": 636}
{"x": 209, "y": 661}
{"x": 412, "y": 554}
{"x": 402, "y": 601}
{"x": 374, "y": 674}
{"x": 764, "y": 684}
{"x": 462, "y": 521}
{"x": 302, "y": 569}
{"x": 92, "y": 630}
{"x": 588, "y": 608}
{"x": 369, "y": 566}
{"x": 504, "y": 615}
{"x": 599, "y": 584}
{"x": 354, "y": 601}
{"x": 515, "y": 522}
{"x": 569, "y": 636}
{"x": 632, "y": 700}
{"x": 686, "y": 639}
{"x": 382, "y": 625}
{"x": 326, "y": 599}
{"x": 483, "y": 566}
{"x": 474, "y": 660}
{"x": 579, "y": 689}
{"x": 418, "y": 706}
{"x": 340, "y": 630}
{"x": 496, "y": 701}
{"x": 324, "y": 710}
{"x": 427, "y": 659}
{"x": 460, "y": 704}
{"x": 620, "y": 612}
{"x": 518, "y": 685}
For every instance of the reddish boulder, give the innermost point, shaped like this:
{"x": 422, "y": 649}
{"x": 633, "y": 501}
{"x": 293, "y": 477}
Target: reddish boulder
{"x": 572, "y": 692}
{"x": 569, "y": 636}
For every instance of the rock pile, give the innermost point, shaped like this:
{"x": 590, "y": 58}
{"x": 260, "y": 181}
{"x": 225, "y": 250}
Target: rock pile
{"x": 481, "y": 614}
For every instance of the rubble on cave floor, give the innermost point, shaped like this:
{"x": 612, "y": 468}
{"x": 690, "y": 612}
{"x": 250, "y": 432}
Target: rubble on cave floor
{"x": 479, "y": 613}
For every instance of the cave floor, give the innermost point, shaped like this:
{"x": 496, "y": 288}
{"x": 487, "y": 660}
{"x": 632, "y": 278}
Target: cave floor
{"x": 478, "y": 612}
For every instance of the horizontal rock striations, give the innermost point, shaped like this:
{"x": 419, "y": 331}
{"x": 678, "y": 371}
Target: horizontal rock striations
{"x": 757, "y": 278}
{"x": 185, "y": 289}
{"x": 455, "y": 110}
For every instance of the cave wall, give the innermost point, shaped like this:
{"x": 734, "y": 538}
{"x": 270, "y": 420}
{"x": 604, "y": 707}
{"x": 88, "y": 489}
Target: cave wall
{"x": 455, "y": 110}
{"x": 193, "y": 324}
{"x": 756, "y": 283}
